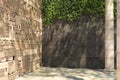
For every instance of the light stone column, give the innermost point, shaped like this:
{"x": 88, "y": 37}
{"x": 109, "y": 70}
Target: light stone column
{"x": 109, "y": 35}
{"x": 118, "y": 40}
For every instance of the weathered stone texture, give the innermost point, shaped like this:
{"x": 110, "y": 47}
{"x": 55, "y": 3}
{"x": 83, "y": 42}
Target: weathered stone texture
{"x": 20, "y": 37}
{"x": 74, "y": 44}
{"x": 118, "y": 39}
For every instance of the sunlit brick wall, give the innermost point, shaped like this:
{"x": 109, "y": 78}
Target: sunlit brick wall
{"x": 20, "y": 37}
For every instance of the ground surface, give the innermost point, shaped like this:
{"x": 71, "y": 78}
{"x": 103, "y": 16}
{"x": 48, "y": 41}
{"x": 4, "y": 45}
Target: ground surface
{"x": 69, "y": 74}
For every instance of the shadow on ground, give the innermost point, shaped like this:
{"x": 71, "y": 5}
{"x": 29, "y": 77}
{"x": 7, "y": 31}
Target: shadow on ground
{"x": 69, "y": 74}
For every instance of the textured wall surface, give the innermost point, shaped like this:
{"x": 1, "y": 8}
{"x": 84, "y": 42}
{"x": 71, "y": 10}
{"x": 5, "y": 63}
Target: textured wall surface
{"x": 74, "y": 44}
{"x": 118, "y": 39}
{"x": 20, "y": 37}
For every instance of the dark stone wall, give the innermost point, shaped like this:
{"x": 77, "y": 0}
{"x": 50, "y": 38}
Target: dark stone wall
{"x": 74, "y": 44}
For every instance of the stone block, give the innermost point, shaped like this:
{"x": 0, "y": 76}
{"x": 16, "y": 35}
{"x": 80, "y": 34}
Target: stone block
{"x": 21, "y": 71}
{"x": 10, "y": 58}
{"x": 2, "y": 54}
{"x": 11, "y": 67}
{"x": 4, "y": 69}
{"x": 13, "y": 75}
{"x": 3, "y": 59}
{"x": 4, "y": 78}
{"x": 9, "y": 53}
{"x": 36, "y": 64}
{"x": 2, "y": 72}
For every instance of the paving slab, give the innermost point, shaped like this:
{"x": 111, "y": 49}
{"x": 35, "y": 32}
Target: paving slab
{"x": 69, "y": 74}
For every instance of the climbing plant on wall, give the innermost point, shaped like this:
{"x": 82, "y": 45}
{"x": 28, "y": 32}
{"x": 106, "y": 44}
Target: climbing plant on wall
{"x": 70, "y": 9}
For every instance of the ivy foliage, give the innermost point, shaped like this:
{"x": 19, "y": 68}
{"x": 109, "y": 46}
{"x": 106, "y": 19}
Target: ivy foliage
{"x": 70, "y": 9}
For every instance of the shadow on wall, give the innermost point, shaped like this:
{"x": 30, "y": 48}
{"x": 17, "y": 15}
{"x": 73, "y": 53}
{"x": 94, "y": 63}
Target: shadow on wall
{"x": 74, "y": 44}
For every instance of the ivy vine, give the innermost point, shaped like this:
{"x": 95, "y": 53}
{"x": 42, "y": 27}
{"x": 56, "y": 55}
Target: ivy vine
{"x": 70, "y": 9}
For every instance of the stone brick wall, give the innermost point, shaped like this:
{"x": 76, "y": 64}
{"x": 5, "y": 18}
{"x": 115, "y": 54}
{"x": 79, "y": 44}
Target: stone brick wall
{"x": 20, "y": 37}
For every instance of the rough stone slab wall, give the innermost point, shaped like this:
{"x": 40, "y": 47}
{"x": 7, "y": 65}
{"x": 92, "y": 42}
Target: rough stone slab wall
{"x": 74, "y": 44}
{"x": 20, "y": 37}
